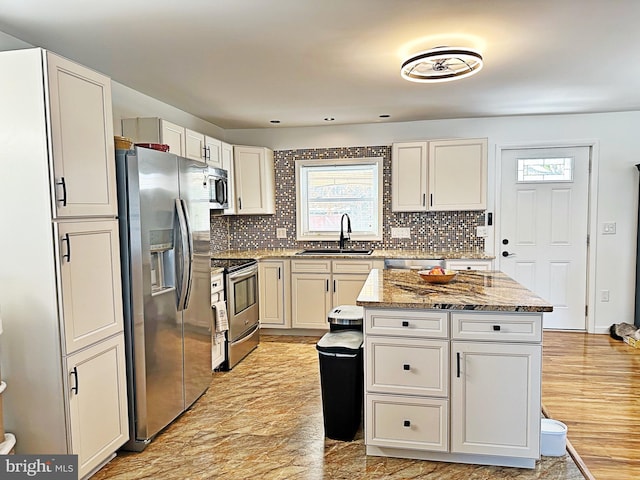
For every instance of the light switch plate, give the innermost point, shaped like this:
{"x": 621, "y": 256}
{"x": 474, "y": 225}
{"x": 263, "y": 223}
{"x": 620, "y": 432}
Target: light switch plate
{"x": 481, "y": 231}
{"x": 281, "y": 233}
{"x": 400, "y": 232}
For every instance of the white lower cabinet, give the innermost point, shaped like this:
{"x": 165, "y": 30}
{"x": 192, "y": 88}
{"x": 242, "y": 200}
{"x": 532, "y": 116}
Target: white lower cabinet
{"x": 469, "y": 264}
{"x": 218, "y": 350}
{"x": 275, "y": 307}
{"x": 434, "y": 391}
{"x": 96, "y": 389}
{"x": 310, "y": 300}
{"x": 407, "y": 422}
{"x": 495, "y": 399}
{"x": 318, "y": 285}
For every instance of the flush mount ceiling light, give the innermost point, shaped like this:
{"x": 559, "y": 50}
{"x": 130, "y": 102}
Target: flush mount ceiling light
{"x": 441, "y": 64}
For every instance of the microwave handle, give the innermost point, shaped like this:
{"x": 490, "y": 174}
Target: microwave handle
{"x": 225, "y": 188}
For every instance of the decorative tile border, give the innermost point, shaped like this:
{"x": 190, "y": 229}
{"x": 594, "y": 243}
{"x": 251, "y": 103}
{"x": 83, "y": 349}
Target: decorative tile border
{"x": 452, "y": 231}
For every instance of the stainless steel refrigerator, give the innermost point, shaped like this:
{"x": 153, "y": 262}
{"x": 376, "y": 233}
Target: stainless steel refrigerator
{"x": 163, "y": 209}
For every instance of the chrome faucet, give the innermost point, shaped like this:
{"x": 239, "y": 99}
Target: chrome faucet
{"x": 344, "y": 237}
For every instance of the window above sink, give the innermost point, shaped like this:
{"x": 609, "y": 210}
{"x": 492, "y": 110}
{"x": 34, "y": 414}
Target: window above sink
{"x": 327, "y": 189}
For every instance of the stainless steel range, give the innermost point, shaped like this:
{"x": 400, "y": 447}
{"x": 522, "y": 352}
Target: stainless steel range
{"x": 241, "y": 285}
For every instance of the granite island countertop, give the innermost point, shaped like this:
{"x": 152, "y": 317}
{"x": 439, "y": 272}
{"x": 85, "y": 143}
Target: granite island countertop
{"x": 379, "y": 254}
{"x": 469, "y": 290}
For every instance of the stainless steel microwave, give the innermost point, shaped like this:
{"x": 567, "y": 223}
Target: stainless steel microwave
{"x": 218, "y": 189}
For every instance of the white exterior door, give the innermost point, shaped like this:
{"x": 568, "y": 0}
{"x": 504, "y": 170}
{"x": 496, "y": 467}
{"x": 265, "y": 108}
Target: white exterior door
{"x": 543, "y": 229}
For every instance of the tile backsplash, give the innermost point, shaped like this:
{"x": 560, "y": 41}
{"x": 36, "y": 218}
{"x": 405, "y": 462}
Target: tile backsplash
{"x": 451, "y": 231}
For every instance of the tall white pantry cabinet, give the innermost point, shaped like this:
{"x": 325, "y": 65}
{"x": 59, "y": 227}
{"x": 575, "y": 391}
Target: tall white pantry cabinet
{"x": 60, "y": 292}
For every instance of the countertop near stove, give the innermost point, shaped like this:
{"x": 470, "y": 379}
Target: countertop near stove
{"x": 288, "y": 253}
{"x": 469, "y": 290}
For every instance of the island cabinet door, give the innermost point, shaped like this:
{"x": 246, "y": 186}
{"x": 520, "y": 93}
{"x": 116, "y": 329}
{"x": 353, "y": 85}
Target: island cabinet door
{"x": 495, "y": 399}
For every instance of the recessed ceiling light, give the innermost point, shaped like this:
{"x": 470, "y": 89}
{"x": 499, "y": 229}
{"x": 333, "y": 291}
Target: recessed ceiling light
{"x": 442, "y": 64}
{"x": 329, "y": 119}
{"x": 274, "y": 121}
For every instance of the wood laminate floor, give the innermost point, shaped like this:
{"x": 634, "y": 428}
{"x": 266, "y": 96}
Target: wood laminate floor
{"x": 592, "y": 384}
{"x": 263, "y": 420}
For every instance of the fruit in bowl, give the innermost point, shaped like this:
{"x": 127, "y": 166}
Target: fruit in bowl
{"x": 437, "y": 275}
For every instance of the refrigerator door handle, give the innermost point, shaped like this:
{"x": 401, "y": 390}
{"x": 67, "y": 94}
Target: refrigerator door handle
{"x": 189, "y": 257}
{"x": 182, "y": 265}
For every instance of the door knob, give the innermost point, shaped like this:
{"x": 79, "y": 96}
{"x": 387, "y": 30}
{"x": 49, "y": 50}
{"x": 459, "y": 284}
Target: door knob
{"x": 507, "y": 254}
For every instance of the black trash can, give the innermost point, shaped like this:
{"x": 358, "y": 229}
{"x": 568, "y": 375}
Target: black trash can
{"x": 341, "y": 381}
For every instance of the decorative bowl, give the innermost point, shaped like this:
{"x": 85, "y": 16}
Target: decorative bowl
{"x": 446, "y": 278}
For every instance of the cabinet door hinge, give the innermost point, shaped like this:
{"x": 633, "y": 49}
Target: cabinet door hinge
{"x": 586, "y": 310}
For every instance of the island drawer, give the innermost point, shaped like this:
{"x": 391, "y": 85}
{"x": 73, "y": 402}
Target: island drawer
{"x": 407, "y": 366}
{"x": 497, "y": 326}
{"x": 407, "y": 323}
{"x": 407, "y": 422}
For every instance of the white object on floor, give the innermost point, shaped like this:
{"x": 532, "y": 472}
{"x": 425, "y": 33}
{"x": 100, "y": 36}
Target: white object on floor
{"x": 553, "y": 438}
{"x": 7, "y": 446}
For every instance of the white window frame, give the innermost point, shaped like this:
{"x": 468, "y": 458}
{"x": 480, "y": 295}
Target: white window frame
{"x": 301, "y": 203}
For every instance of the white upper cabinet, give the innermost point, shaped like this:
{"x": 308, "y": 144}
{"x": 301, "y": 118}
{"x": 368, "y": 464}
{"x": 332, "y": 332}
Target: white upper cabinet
{"x": 194, "y": 145}
{"x": 409, "y": 177}
{"x": 254, "y": 178}
{"x": 458, "y": 174}
{"x": 82, "y": 140}
{"x": 439, "y": 175}
{"x": 227, "y": 164}
{"x": 182, "y": 141}
{"x": 213, "y": 148}
{"x": 204, "y": 148}
{"x": 156, "y": 130}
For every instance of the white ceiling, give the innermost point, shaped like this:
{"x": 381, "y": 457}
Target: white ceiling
{"x": 242, "y": 63}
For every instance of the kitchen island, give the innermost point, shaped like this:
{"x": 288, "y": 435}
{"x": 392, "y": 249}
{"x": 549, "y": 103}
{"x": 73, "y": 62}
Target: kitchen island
{"x": 452, "y": 372}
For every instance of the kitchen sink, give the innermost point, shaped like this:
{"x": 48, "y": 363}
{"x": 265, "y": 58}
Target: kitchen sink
{"x": 335, "y": 251}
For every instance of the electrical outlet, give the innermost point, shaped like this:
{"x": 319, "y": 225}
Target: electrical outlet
{"x": 400, "y": 233}
{"x": 604, "y": 296}
{"x": 281, "y": 233}
{"x": 609, "y": 228}
{"x": 482, "y": 231}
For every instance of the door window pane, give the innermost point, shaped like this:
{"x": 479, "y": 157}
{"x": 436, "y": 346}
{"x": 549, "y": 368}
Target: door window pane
{"x": 545, "y": 169}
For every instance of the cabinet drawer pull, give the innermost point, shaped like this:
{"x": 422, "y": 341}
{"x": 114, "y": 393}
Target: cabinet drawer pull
{"x": 407, "y": 423}
{"x": 63, "y": 184}
{"x": 405, "y": 323}
{"x": 67, "y": 255}
{"x": 406, "y": 366}
{"x": 75, "y": 388}
{"x": 496, "y": 328}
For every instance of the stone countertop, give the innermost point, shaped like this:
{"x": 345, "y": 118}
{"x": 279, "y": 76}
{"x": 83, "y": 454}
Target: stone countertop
{"x": 288, "y": 253}
{"x": 469, "y": 290}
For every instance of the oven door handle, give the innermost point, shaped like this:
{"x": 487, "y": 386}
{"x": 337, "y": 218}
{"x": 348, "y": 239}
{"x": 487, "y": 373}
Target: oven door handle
{"x": 243, "y": 273}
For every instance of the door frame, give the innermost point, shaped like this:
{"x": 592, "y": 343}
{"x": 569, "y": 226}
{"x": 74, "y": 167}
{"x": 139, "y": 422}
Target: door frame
{"x": 493, "y": 242}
